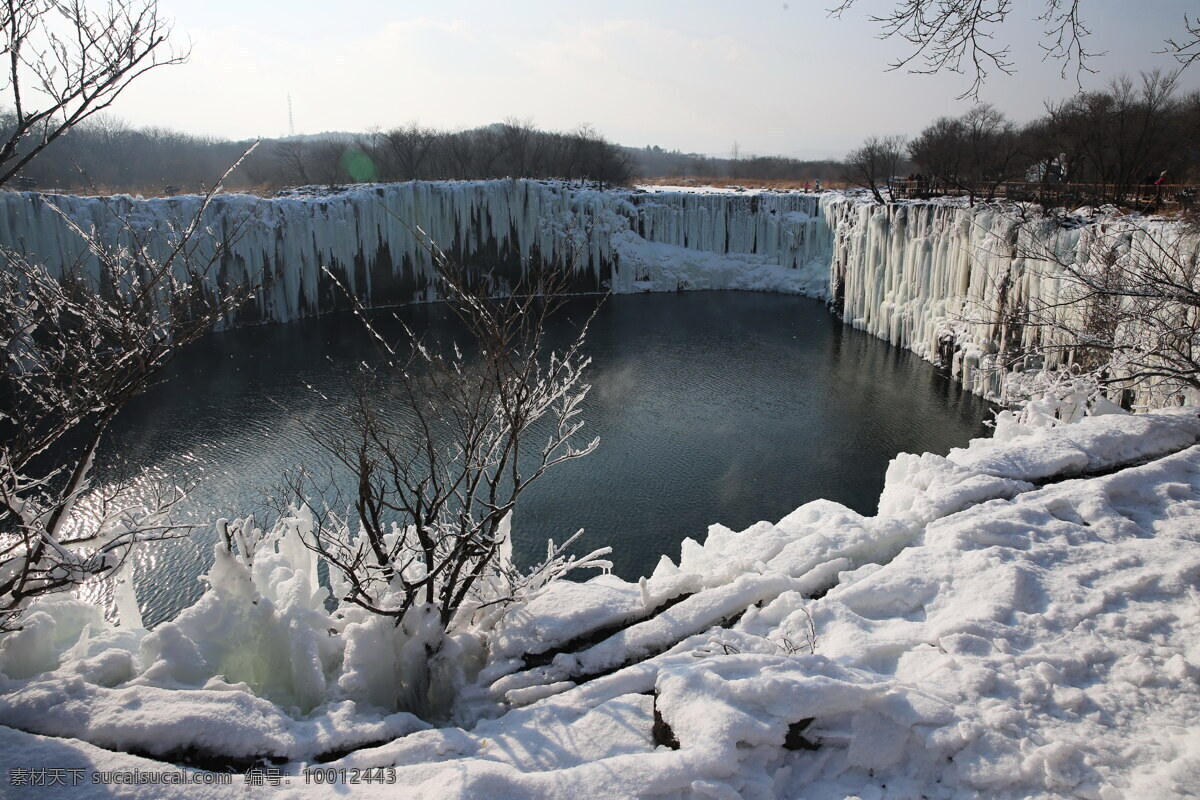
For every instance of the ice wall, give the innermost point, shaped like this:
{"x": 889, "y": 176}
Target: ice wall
{"x": 951, "y": 283}
{"x": 984, "y": 293}
{"x": 378, "y": 238}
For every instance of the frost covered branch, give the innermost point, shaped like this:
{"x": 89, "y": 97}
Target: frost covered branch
{"x": 441, "y": 442}
{"x": 79, "y": 342}
{"x": 959, "y": 36}
{"x": 875, "y": 163}
{"x": 64, "y": 62}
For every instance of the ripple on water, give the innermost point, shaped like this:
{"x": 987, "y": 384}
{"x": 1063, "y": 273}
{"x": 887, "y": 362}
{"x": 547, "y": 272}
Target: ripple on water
{"x": 711, "y": 407}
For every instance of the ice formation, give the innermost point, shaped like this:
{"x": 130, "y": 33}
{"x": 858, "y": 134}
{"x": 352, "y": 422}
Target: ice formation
{"x": 379, "y": 237}
{"x": 941, "y": 279}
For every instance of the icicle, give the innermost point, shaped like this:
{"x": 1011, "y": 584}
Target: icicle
{"x": 125, "y": 597}
{"x": 902, "y": 273}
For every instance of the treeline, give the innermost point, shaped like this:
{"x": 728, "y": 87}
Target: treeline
{"x": 655, "y": 162}
{"x": 108, "y": 155}
{"x": 1109, "y": 143}
{"x": 508, "y": 149}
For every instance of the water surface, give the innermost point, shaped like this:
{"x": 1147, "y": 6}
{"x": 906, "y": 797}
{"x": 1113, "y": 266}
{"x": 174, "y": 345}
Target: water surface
{"x": 710, "y": 407}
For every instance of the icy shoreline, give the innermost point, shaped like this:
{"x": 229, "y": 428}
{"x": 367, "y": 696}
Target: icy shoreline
{"x": 979, "y": 637}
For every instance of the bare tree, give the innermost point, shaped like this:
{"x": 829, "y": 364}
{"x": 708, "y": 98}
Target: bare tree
{"x": 874, "y": 164}
{"x": 1123, "y": 134}
{"x": 66, "y": 62}
{"x": 410, "y": 145}
{"x": 962, "y": 36}
{"x": 592, "y": 156}
{"x": 490, "y": 156}
{"x": 1041, "y": 149}
{"x": 78, "y": 343}
{"x": 456, "y": 154}
{"x": 327, "y": 159}
{"x": 940, "y": 150}
{"x": 518, "y": 142}
{"x": 292, "y": 155}
{"x": 972, "y": 153}
{"x": 992, "y": 146}
{"x": 442, "y": 443}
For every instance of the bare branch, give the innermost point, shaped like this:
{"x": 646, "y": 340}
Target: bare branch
{"x": 960, "y": 36}
{"x": 79, "y": 343}
{"x": 57, "y": 81}
{"x": 1186, "y": 48}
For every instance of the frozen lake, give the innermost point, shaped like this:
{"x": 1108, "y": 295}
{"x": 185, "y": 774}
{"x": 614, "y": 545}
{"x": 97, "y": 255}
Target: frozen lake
{"x": 710, "y": 407}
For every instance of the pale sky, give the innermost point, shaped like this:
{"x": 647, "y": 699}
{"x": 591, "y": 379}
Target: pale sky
{"x": 779, "y": 78}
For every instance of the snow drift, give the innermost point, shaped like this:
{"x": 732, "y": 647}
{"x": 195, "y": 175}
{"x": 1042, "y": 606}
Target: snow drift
{"x": 979, "y": 636}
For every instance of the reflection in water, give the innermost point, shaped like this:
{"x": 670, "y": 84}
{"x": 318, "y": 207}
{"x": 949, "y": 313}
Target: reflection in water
{"x": 710, "y": 407}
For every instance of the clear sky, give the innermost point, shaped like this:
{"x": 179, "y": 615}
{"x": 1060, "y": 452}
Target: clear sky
{"x": 775, "y": 77}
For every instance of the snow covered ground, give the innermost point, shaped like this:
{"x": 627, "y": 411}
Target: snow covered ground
{"x": 1020, "y": 619}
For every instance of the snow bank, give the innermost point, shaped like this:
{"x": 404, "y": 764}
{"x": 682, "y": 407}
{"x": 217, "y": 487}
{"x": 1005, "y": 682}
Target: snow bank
{"x": 1091, "y": 445}
{"x": 979, "y": 637}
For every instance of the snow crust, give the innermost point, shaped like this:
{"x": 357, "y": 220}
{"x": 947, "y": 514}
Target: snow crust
{"x": 980, "y": 636}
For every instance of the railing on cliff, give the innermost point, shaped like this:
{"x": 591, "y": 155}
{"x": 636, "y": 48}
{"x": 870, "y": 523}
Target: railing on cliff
{"x": 1143, "y": 196}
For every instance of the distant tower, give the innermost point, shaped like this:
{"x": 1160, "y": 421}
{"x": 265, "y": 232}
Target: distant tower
{"x": 291, "y": 122}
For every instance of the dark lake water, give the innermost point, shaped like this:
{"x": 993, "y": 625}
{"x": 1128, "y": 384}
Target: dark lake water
{"x": 710, "y": 407}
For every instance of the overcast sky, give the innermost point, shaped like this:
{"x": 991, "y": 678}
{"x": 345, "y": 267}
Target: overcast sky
{"x": 697, "y": 76}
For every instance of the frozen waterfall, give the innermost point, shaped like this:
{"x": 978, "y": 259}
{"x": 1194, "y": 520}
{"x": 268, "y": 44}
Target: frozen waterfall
{"x": 379, "y": 238}
{"x": 946, "y": 281}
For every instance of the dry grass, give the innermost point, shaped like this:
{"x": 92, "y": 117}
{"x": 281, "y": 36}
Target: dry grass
{"x": 745, "y": 183}
{"x": 105, "y": 190}
{"x": 269, "y": 189}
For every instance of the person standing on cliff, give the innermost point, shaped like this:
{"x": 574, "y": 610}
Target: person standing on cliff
{"x": 1158, "y": 186}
